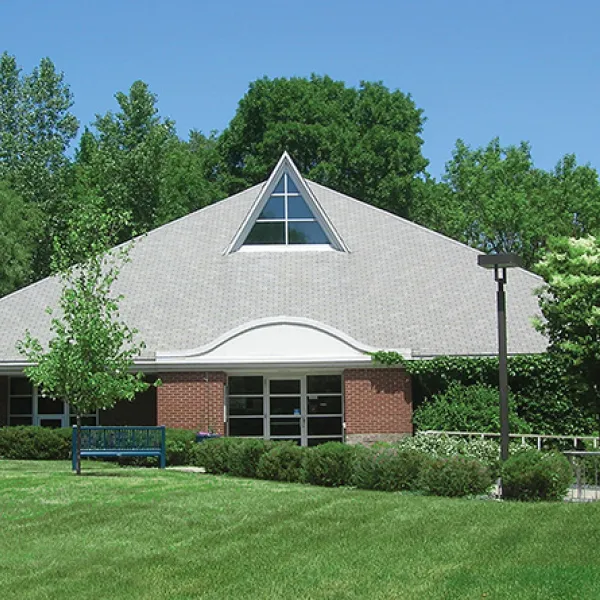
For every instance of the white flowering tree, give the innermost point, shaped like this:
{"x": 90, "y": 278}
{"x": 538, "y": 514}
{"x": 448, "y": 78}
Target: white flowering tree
{"x": 570, "y": 304}
{"x": 91, "y": 350}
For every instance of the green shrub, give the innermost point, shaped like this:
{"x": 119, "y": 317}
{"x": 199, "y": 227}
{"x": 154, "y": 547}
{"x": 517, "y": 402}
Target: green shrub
{"x": 214, "y": 454}
{"x": 35, "y": 443}
{"x": 283, "y": 462}
{"x": 244, "y": 456}
{"x": 444, "y": 446}
{"x": 455, "y": 476}
{"x": 331, "y": 464}
{"x": 532, "y": 475}
{"x": 388, "y": 469}
{"x": 466, "y": 408}
{"x": 180, "y": 443}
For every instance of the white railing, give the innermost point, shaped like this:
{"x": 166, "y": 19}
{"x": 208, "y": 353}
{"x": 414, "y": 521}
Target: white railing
{"x": 538, "y": 437}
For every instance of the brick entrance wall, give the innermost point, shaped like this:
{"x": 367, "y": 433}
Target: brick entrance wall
{"x": 378, "y": 404}
{"x": 191, "y": 401}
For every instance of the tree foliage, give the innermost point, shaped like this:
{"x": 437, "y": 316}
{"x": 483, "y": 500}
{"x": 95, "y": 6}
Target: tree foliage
{"x": 88, "y": 359}
{"x": 570, "y": 304}
{"x": 495, "y": 199}
{"x": 364, "y": 142}
{"x": 20, "y": 224}
{"x": 135, "y": 161}
{"x": 541, "y": 391}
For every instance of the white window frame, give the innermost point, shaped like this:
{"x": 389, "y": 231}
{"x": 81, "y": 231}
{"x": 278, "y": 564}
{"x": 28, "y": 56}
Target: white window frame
{"x": 36, "y": 416}
{"x": 304, "y": 416}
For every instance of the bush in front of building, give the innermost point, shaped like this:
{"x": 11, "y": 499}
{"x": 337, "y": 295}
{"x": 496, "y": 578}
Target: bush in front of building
{"x": 214, "y": 454}
{"x": 245, "y": 456}
{"x": 283, "y": 462}
{"x": 388, "y": 469}
{"x": 179, "y": 446}
{"x": 331, "y": 464}
{"x": 443, "y": 446}
{"x": 530, "y": 475}
{"x": 27, "y": 442}
{"x": 455, "y": 476}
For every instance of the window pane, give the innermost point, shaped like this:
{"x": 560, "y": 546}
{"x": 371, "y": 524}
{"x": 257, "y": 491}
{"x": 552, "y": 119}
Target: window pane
{"x": 267, "y": 233}
{"x": 324, "y": 405}
{"x": 245, "y": 386}
{"x": 324, "y": 384}
{"x": 284, "y": 386}
{"x": 51, "y": 423}
{"x": 244, "y": 427}
{"x": 285, "y": 406}
{"x": 20, "y": 421}
{"x": 325, "y": 426}
{"x": 273, "y": 209}
{"x": 20, "y": 406}
{"x": 50, "y": 406}
{"x": 20, "y": 386}
{"x": 317, "y": 441}
{"x": 298, "y": 209}
{"x": 306, "y": 233}
{"x": 246, "y": 406}
{"x": 279, "y": 187}
{"x": 285, "y": 426}
{"x": 291, "y": 185}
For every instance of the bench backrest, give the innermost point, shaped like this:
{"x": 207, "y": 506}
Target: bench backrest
{"x": 121, "y": 438}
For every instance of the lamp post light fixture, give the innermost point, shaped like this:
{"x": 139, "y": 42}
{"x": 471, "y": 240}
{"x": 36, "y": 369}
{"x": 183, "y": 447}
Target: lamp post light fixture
{"x": 500, "y": 263}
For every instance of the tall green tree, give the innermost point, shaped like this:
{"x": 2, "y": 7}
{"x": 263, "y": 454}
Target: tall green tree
{"x": 91, "y": 351}
{"x": 494, "y": 199}
{"x": 20, "y": 225}
{"x": 570, "y": 305}
{"x": 362, "y": 141}
{"x": 36, "y": 128}
{"x": 135, "y": 161}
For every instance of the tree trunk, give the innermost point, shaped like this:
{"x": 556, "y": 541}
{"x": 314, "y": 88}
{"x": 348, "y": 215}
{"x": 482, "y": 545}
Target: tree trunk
{"x": 78, "y": 454}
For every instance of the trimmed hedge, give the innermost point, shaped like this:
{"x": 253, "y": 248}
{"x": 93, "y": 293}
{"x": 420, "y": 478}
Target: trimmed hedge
{"x": 388, "y": 469}
{"x": 26, "y": 442}
{"x": 530, "y": 475}
{"x": 283, "y": 462}
{"x": 331, "y": 464}
{"x": 454, "y": 477}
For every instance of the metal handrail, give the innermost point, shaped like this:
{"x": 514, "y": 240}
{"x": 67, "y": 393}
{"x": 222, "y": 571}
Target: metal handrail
{"x": 522, "y": 436}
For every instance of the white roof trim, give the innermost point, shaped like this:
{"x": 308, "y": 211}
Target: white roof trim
{"x": 267, "y": 322}
{"x": 286, "y": 165}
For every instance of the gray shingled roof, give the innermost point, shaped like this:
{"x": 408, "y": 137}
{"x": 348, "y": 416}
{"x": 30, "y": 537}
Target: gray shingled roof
{"x": 400, "y": 286}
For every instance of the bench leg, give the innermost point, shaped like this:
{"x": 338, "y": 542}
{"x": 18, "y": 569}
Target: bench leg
{"x": 163, "y": 459}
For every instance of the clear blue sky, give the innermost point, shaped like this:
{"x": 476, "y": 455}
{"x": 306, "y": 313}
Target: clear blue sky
{"x": 521, "y": 70}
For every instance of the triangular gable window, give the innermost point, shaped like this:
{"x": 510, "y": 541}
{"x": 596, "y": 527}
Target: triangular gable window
{"x": 286, "y": 219}
{"x": 286, "y": 214}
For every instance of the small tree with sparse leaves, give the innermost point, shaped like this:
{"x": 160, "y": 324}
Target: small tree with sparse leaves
{"x": 87, "y": 362}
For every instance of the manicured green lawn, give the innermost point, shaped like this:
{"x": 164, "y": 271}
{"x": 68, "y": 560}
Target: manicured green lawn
{"x": 142, "y": 533}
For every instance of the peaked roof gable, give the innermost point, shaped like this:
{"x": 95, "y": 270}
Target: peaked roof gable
{"x": 271, "y": 208}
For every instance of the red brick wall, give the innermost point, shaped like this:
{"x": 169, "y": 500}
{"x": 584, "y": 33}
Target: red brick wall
{"x": 192, "y": 400}
{"x": 377, "y": 401}
{"x": 3, "y": 401}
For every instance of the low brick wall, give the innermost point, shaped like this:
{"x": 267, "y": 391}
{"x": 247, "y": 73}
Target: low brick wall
{"x": 378, "y": 404}
{"x": 192, "y": 400}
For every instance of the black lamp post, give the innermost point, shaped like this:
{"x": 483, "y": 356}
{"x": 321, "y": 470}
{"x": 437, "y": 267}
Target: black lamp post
{"x": 501, "y": 262}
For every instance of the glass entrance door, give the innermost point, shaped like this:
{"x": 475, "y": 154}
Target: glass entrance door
{"x": 307, "y": 409}
{"x": 285, "y": 411}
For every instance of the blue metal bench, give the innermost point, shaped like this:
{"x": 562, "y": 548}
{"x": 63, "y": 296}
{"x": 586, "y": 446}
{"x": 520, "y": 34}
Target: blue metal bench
{"x": 121, "y": 441}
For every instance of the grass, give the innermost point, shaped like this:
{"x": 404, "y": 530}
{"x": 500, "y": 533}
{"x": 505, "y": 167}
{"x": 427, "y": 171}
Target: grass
{"x": 142, "y": 533}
